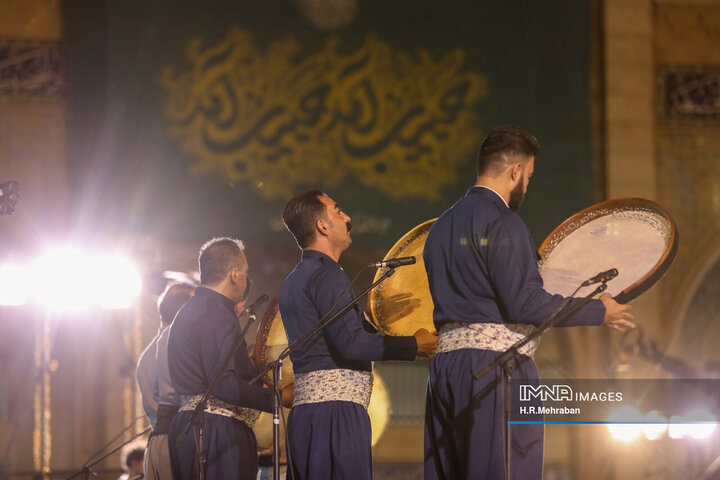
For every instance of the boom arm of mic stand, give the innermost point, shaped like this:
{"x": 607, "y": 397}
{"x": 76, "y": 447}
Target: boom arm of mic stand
{"x": 86, "y": 468}
{"x": 556, "y": 318}
{"x": 505, "y": 361}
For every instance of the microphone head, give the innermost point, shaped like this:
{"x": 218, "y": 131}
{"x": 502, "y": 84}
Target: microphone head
{"x": 258, "y": 301}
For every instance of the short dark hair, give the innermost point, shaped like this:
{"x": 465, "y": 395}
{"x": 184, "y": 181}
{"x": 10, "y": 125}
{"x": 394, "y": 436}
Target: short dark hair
{"x": 502, "y": 143}
{"x": 133, "y": 453}
{"x": 172, "y": 298}
{"x": 217, "y": 257}
{"x": 301, "y": 214}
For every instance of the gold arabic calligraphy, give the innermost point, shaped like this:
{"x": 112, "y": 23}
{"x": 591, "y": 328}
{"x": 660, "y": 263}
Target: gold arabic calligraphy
{"x": 391, "y": 121}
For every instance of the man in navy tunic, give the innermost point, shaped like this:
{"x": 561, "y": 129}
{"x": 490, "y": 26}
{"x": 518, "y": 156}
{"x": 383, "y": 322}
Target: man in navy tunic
{"x": 200, "y": 338}
{"x": 329, "y": 428}
{"x": 488, "y": 294}
{"x": 160, "y": 402}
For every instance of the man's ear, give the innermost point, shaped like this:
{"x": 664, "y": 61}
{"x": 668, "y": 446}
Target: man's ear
{"x": 516, "y": 171}
{"x": 321, "y": 226}
{"x": 234, "y": 273}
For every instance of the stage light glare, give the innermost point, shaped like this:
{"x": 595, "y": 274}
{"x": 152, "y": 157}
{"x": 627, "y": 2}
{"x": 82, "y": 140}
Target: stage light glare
{"x": 697, "y": 424}
{"x": 677, "y": 429}
{"x": 122, "y": 282}
{"x": 70, "y": 279}
{"x": 630, "y": 428}
{"x": 703, "y": 424}
{"x": 63, "y": 275}
{"x": 14, "y": 284}
{"x": 653, "y": 429}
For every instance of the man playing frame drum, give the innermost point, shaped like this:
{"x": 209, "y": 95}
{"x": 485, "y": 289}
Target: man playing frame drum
{"x": 487, "y": 293}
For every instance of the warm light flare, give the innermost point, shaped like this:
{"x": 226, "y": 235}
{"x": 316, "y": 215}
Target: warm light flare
{"x": 630, "y": 429}
{"x": 14, "y": 284}
{"x": 68, "y": 278}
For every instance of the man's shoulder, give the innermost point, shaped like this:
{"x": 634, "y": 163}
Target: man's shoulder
{"x": 199, "y": 314}
{"x": 328, "y": 274}
{"x": 472, "y": 208}
{"x": 509, "y": 220}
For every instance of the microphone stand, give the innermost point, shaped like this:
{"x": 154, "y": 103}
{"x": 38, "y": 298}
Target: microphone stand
{"x": 197, "y": 419}
{"x": 277, "y": 365}
{"x": 506, "y": 361}
{"x": 87, "y": 469}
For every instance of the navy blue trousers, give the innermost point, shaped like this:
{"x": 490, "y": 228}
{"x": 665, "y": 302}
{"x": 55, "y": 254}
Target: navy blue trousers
{"x": 229, "y": 445}
{"x": 329, "y": 440}
{"x": 464, "y": 421}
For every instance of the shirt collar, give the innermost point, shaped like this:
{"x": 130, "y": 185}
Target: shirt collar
{"x": 207, "y": 292}
{"x": 483, "y": 188}
{"x": 307, "y": 254}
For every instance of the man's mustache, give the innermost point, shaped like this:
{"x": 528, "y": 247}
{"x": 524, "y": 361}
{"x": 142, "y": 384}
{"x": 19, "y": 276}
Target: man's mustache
{"x": 349, "y": 226}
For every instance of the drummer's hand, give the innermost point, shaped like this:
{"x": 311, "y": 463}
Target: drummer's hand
{"x": 286, "y": 395}
{"x": 427, "y": 343}
{"x": 617, "y": 316}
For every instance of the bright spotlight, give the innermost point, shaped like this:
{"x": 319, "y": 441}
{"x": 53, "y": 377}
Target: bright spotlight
{"x": 122, "y": 281}
{"x": 625, "y": 425}
{"x": 70, "y": 279}
{"x": 703, "y": 424}
{"x": 63, "y": 275}
{"x": 14, "y": 284}
{"x": 697, "y": 424}
{"x": 656, "y": 425}
{"x": 677, "y": 429}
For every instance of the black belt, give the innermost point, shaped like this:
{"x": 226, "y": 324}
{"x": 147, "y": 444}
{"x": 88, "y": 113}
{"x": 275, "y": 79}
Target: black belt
{"x": 165, "y": 414}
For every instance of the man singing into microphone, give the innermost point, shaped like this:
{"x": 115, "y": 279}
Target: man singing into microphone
{"x": 487, "y": 292}
{"x": 328, "y": 427}
{"x": 200, "y": 339}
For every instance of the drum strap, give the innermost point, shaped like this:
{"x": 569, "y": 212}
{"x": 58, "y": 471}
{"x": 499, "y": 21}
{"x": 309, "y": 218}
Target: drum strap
{"x": 340, "y": 384}
{"x": 496, "y": 337}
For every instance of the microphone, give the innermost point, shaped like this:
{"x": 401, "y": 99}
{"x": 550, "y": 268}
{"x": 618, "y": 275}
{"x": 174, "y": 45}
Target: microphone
{"x": 393, "y": 262}
{"x": 9, "y": 197}
{"x": 601, "y": 277}
{"x": 250, "y": 309}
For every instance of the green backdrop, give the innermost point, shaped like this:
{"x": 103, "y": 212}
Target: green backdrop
{"x": 190, "y": 119}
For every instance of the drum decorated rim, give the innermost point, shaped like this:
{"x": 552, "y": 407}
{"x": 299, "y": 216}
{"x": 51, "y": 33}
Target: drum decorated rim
{"x": 260, "y": 346}
{"x": 668, "y": 229}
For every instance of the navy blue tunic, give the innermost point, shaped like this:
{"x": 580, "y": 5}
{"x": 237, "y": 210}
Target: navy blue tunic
{"x": 482, "y": 267}
{"x": 200, "y": 337}
{"x": 331, "y": 440}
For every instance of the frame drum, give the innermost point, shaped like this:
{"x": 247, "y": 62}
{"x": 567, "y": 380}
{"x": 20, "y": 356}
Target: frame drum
{"x": 635, "y": 236}
{"x": 269, "y": 344}
{"x": 402, "y": 304}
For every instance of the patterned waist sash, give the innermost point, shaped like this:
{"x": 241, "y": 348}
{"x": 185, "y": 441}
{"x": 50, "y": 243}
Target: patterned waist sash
{"x": 217, "y": 407}
{"x": 333, "y": 385}
{"x": 496, "y": 337}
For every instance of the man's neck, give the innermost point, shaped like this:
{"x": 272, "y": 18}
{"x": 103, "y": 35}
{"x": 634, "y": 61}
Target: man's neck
{"x": 492, "y": 184}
